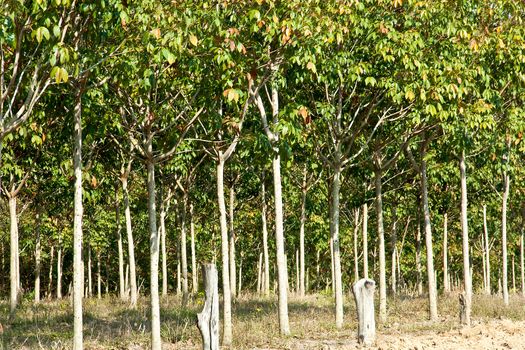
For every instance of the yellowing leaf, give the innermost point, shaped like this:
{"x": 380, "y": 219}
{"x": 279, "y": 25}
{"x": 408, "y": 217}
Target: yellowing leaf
{"x": 156, "y": 33}
{"x": 311, "y": 66}
{"x": 193, "y": 40}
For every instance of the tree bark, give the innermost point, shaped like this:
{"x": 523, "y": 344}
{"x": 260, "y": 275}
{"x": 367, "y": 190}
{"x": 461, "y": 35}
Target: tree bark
{"x": 122, "y": 291}
{"x": 393, "y": 241}
{"x": 163, "y": 246}
{"x": 356, "y": 233}
{"x": 194, "y": 274}
{"x": 208, "y": 319}
{"x": 131, "y": 246}
{"x": 419, "y": 275}
{"x": 381, "y": 237}
{"x": 259, "y": 274}
{"x": 156, "y": 342}
{"x": 506, "y": 185}
{"x": 231, "y": 241}
{"x": 59, "y": 269}
{"x": 522, "y": 265}
{"x": 464, "y": 229}
{"x": 14, "y": 263}
{"x": 50, "y": 278}
{"x": 266, "y": 280}
{"x": 77, "y": 229}
{"x": 184, "y": 249}
{"x": 446, "y": 286}
{"x": 365, "y": 240}
{"x": 304, "y": 190}
{"x": 227, "y": 321}
{"x": 90, "y": 285}
{"x": 336, "y": 185}
{"x": 432, "y": 292}
{"x": 487, "y": 249}
{"x": 38, "y": 249}
{"x": 99, "y": 278}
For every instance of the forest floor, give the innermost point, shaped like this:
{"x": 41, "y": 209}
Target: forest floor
{"x": 109, "y": 324}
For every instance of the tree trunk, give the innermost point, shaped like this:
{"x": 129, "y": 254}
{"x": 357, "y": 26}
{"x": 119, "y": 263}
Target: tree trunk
{"x": 365, "y": 240}
{"x": 194, "y": 274}
{"x": 227, "y": 321}
{"x": 282, "y": 271}
{"x": 183, "y": 249}
{"x": 59, "y": 270}
{"x": 446, "y": 285}
{"x": 432, "y": 293}
{"x": 14, "y": 264}
{"x": 464, "y": 229}
{"x": 90, "y": 285}
{"x": 506, "y": 185}
{"x": 156, "y": 342}
{"x": 231, "y": 241}
{"x": 393, "y": 242}
{"x": 37, "y": 258}
{"x": 336, "y": 185}
{"x": 239, "y": 285}
{"x": 513, "y": 277}
{"x": 131, "y": 247}
{"x": 297, "y": 273}
{"x": 522, "y": 265}
{"x": 122, "y": 291}
{"x": 50, "y": 278}
{"x": 99, "y": 278}
{"x": 381, "y": 237}
{"x": 208, "y": 319}
{"x": 304, "y": 190}
{"x": 266, "y": 280}
{"x": 162, "y": 219}
{"x": 259, "y": 274}
{"x": 356, "y": 233}
{"x": 77, "y": 229}
{"x": 419, "y": 275}
{"x": 487, "y": 249}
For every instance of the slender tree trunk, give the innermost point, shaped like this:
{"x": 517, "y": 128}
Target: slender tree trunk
{"x": 231, "y": 241}
{"x": 487, "y": 249}
{"x": 446, "y": 285}
{"x": 259, "y": 274}
{"x": 381, "y": 237}
{"x": 99, "y": 277}
{"x": 122, "y": 291}
{"x": 77, "y": 229}
{"x": 59, "y": 270}
{"x": 432, "y": 292}
{"x": 131, "y": 246}
{"x": 163, "y": 247}
{"x": 419, "y": 275}
{"x": 484, "y": 263}
{"x": 266, "y": 284}
{"x": 301, "y": 233}
{"x": 194, "y": 282}
{"x": 356, "y": 257}
{"x": 506, "y": 185}
{"x": 239, "y": 285}
{"x": 464, "y": 229}
{"x": 50, "y": 278}
{"x": 297, "y": 273}
{"x": 90, "y": 285}
{"x": 184, "y": 249}
{"x": 365, "y": 240}
{"x": 282, "y": 273}
{"x": 522, "y": 265}
{"x": 13, "y": 300}
{"x": 393, "y": 241}
{"x": 336, "y": 185}
{"x": 227, "y": 323}
{"x": 513, "y": 276}
{"x": 156, "y": 342}
{"x": 38, "y": 249}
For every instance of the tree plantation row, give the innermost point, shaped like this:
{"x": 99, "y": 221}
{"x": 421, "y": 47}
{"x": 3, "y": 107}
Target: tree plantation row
{"x": 299, "y": 145}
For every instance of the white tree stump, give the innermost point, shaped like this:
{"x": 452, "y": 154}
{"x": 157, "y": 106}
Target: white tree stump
{"x": 364, "y": 299}
{"x": 208, "y": 319}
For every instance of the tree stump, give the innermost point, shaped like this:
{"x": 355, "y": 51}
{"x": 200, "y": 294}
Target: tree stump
{"x": 364, "y": 300}
{"x": 208, "y": 319}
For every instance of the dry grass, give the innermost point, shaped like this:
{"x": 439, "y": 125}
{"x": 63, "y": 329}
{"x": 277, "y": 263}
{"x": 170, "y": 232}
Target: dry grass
{"x": 109, "y": 324}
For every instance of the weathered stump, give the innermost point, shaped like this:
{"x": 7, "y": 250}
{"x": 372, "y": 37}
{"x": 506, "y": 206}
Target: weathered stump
{"x": 208, "y": 319}
{"x": 364, "y": 300}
